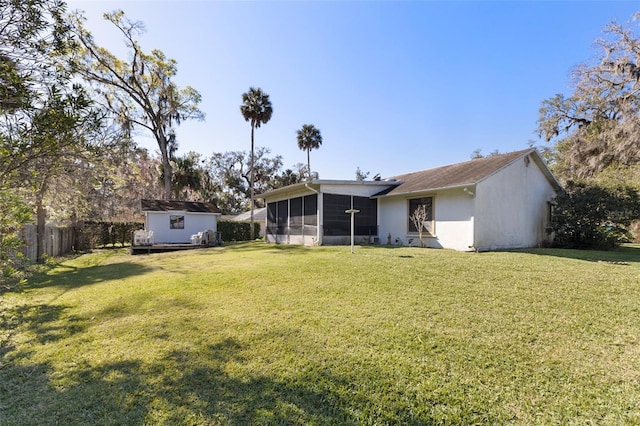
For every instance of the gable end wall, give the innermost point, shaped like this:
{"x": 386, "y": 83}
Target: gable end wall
{"x": 512, "y": 207}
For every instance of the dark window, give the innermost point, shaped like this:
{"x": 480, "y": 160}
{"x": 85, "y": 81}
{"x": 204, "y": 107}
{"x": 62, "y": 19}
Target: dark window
{"x": 310, "y": 214}
{"x": 428, "y": 222}
{"x": 295, "y": 216}
{"x": 336, "y": 221}
{"x": 176, "y": 222}
{"x": 272, "y": 218}
{"x": 311, "y": 210}
{"x": 283, "y": 213}
{"x": 366, "y": 221}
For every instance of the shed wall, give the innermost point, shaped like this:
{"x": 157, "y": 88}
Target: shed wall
{"x": 158, "y": 222}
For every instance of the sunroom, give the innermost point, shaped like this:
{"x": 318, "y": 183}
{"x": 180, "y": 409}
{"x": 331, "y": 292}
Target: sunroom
{"x": 314, "y": 213}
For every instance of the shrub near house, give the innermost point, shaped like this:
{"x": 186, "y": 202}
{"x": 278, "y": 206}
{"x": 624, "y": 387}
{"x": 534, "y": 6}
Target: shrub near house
{"x": 594, "y": 217}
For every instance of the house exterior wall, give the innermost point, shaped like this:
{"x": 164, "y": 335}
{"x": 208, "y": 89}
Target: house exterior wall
{"x": 453, "y": 220}
{"x": 512, "y": 207}
{"x": 158, "y": 222}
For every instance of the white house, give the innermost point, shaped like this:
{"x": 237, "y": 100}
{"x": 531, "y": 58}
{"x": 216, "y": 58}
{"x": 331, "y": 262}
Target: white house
{"x": 497, "y": 202}
{"x": 174, "y": 222}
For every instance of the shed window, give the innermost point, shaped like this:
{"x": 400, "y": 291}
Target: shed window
{"x": 176, "y": 222}
{"x": 428, "y": 223}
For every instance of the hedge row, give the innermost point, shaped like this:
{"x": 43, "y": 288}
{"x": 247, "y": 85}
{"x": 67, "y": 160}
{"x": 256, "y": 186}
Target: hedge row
{"x": 237, "y": 231}
{"x": 102, "y": 234}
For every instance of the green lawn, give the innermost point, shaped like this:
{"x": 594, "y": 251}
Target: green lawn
{"x": 264, "y": 334}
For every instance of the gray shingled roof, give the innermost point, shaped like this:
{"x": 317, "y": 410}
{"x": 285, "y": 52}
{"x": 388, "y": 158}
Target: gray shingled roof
{"x": 258, "y": 214}
{"x": 187, "y": 206}
{"x": 453, "y": 175}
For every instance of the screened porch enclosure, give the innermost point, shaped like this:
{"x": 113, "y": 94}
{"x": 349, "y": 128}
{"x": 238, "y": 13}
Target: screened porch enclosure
{"x": 296, "y": 220}
{"x": 337, "y": 223}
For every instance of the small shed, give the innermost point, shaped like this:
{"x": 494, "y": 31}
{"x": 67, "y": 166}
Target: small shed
{"x": 175, "y": 222}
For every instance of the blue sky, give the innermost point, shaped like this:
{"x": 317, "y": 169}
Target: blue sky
{"x": 393, "y": 86}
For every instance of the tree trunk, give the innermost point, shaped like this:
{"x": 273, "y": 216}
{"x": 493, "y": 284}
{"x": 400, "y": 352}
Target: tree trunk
{"x": 251, "y": 232}
{"x": 40, "y": 222}
{"x": 162, "y": 142}
{"x": 309, "y": 163}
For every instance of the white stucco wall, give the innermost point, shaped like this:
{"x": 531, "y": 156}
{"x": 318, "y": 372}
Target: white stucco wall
{"x": 158, "y": 222}
{"x": 511, "y": 207}
{"x": 453, "y": 214}
{"x": 392, "y": 219}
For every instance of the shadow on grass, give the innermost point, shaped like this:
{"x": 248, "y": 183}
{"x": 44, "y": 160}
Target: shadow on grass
{"x": 185, "y": 387}
{"x": 261, "y": 246}
{"x": 71, "y": 277}
{"x": 215, "y": 383}
{"x": 624, "y": 254}
{"x": 302, "y": 249}
{"x": 44, "y": 323}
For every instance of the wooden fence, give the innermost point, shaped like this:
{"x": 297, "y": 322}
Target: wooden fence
{"x": 57, "y": 242}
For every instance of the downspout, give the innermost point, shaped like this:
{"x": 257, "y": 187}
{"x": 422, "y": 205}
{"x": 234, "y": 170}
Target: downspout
{"x": 319, "y": 213}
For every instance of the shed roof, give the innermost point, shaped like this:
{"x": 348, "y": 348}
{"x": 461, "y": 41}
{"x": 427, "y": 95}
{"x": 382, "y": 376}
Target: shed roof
{"x": 461, "y": 174}
{"x": 186, "y": 206}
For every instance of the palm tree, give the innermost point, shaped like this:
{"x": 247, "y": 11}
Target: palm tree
{"x": 309, "y": 138}
{"x": 256, "y": 108}
{"x": 187, "y": 176}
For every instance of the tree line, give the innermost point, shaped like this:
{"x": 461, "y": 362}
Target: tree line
{"x": 69, "y": 113}
{"x": 70, "y": 110}
{"x": 594, "y": 144}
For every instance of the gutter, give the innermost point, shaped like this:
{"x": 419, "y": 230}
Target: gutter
{"x": 428, "y": 190}
{"x": 306, "y": 185}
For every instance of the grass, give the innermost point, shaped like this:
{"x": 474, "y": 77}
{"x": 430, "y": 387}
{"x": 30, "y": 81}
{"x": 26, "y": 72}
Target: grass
{"x": 264, "y": 334}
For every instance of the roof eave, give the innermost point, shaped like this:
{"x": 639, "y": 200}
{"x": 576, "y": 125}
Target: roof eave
{"x": 547, "y": 172}
{"x": 284, "y": 190}
{"x": 315, "y": 185}
{"x": 427, "y": 190}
